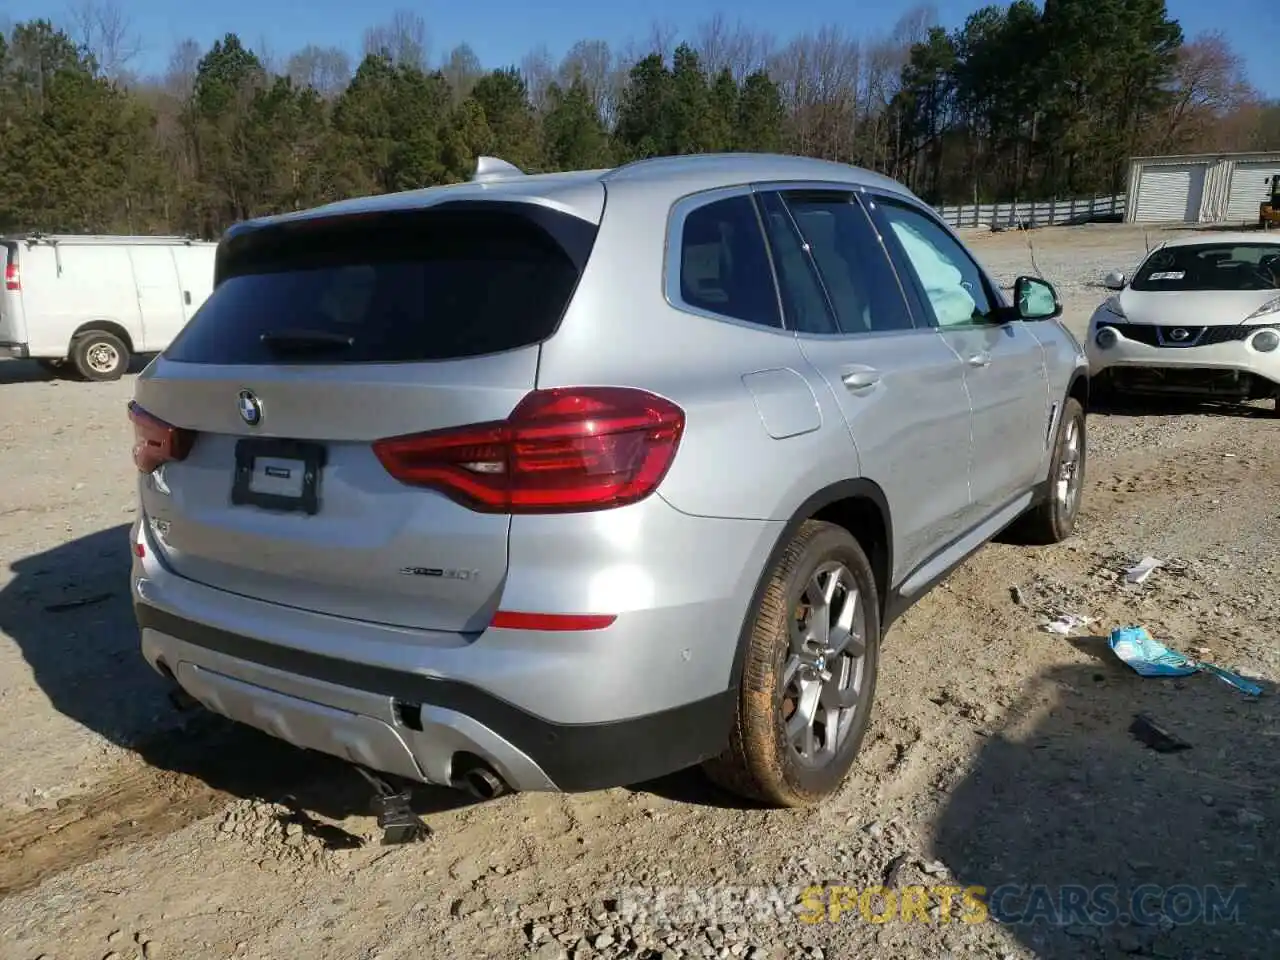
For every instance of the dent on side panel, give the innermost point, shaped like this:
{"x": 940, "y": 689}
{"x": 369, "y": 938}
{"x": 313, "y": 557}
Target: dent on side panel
{"x": 785, "y": 402}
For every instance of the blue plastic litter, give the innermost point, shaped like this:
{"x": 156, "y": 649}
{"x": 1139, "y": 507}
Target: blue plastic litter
{"x": 1151, "y": 658}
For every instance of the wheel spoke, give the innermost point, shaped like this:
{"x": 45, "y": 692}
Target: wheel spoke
{"x": 847, "y": 641}
{"x": 790, "y": 670}
{"x": 822, "y": 671}
{"x": 834, "y": 699}
{"x": 842, "y": 631}
{"x": 800, "y": 726}
{"x": 819, "y": 596}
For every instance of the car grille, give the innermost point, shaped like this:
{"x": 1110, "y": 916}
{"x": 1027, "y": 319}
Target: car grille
{"x": 1160, "y": 336}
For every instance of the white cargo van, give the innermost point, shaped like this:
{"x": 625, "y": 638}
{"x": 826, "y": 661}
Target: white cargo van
{"x": 93, "y": 302}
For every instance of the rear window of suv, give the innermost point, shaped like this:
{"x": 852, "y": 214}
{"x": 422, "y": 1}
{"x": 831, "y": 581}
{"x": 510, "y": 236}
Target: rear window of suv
{"x": 436, "y": 284}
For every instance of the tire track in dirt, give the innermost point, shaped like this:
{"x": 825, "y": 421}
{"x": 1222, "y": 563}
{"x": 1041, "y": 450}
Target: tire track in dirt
{"x": 183, "y": 776}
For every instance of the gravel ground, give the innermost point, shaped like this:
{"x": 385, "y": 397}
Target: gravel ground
{"x": 999, "y": 757}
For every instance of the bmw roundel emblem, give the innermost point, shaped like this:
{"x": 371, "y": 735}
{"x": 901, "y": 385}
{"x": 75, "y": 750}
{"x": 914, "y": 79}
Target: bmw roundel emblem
{"x": 250, "y": 408}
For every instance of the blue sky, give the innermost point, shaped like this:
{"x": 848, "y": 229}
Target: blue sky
{"x": 502, "y": 31}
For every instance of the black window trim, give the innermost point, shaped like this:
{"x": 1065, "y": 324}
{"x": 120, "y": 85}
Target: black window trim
{"x": 902, "y": 262}
{"x": 759, "y": 191}
{"x": 671, "y": 257}
{"x": 921, "y": 322}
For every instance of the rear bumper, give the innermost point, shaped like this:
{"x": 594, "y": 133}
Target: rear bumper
{"x": 651, "y": 694}
{"x": 415, "y": 726}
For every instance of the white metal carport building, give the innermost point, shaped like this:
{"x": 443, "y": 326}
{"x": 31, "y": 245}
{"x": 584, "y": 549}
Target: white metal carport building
{"x": 1199, "y": 188}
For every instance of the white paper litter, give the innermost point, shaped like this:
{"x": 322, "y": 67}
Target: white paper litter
{"x": 1139, "y": 572}
{"x": 1068, "y": 622}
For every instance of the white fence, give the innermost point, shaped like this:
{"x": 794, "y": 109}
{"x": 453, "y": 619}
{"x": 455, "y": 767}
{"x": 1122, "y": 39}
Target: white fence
{"x": 1039, "y": 213}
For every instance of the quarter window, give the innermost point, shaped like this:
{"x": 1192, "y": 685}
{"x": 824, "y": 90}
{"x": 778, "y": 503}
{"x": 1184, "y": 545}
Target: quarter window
{"x": 724, "y": 266}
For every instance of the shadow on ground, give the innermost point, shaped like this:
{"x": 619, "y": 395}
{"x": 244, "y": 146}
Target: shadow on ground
{"x": 1090, "y": 844}
{"x": 69, "y": 611}
{"x": 1141, "y": 406}
{"x": 31, "y": 371}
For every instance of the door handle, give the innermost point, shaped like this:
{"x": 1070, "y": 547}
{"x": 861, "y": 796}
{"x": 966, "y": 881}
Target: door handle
{"x": 186, "y": 295}
{"x": 982, "y": 359}
{"x": 861, "y": 379}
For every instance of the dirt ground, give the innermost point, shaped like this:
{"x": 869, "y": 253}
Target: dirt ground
{"x": 1000, "y": 755}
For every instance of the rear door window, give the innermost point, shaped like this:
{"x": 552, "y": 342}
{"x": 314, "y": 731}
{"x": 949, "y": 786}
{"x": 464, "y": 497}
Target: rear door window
{"x": 855, "y": 272}
{"x": 393, "y": 288}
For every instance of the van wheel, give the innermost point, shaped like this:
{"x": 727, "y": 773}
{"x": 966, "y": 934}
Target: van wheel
{"x": 98, "y": 355}
{"x": 809, "y": 675}
{"x": 1053, "y": 520}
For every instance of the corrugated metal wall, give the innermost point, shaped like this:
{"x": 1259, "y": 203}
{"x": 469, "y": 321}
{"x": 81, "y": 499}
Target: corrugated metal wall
{"x": 1250, "y": 187}
{"x": 1215, "y": 201}
{"x": 1217, "y": 190}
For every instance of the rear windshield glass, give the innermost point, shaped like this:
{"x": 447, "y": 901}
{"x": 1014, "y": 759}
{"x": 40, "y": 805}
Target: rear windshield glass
{"x": 1211, "y": 266}
{"x": 431, "y": 285}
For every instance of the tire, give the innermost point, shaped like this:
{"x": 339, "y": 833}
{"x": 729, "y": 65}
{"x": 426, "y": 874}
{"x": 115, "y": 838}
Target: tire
{"x": 1054, "y": 520}
{"x": 98, "y": 355}
{"x": 761, "y": 762}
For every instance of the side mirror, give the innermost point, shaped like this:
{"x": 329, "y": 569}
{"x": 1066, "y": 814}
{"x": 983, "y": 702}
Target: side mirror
{"x": 1115, "y": 280}
{"x": 1035, "y": 299}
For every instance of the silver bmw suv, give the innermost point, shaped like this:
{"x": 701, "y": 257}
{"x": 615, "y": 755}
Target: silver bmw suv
{"x": 568, "y": 481}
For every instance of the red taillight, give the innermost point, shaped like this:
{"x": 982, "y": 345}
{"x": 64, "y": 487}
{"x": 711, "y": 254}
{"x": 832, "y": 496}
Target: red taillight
{"x": 12, "y": 278}
{"x": 156, "y": 442}
{"x": 566, "y": 449}
{"x": 511, "y": 620}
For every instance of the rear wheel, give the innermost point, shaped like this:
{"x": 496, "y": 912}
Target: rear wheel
{"x": 1053, "y": 520}
{"x": 809, "y": 675}
{"x": 98, "y": 355}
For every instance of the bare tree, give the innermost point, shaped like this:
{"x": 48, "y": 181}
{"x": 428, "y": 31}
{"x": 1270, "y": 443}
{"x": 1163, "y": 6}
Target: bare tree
{"x": 539, "y": 72}
{"x": 463, "y": 69}
{"x": 661, "y": 40}
{"x": 403, "y": 38}
{"x": 180, "y": 76}
{"x": 736, "y": 46}
{"x": 818, "y": 75}
{"x": 602, "y": 72}
{"x": 327, "y": 70}
{"x": 1208, "y": 81}
{"x": 105, "y": 30}
{"x": 266, "y": 55}
{"x": 913, "y": 26}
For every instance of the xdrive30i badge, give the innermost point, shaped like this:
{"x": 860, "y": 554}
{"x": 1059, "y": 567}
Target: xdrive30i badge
{"x": 440, "y": 573}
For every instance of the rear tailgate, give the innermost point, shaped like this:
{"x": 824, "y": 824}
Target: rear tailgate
{"x": 319, "y": 339}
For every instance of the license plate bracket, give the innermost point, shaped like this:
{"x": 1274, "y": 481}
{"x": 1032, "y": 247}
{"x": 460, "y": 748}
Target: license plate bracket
{"x": 280, "y": 475}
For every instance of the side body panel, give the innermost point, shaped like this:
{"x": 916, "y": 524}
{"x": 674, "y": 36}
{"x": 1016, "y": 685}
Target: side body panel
{"x": 65, "y": 287}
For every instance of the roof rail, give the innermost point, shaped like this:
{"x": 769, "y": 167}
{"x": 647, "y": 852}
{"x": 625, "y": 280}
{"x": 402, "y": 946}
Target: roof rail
{"x": 494, "y": 168}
